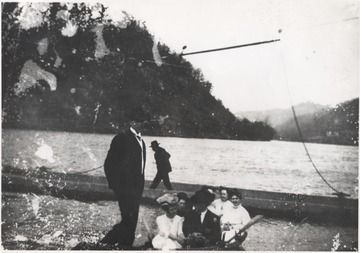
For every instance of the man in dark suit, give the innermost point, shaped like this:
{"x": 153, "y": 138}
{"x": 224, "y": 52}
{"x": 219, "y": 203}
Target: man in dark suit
{"x": 163, "y": 166}
{"x": 201, "y": 220}
{"x": 124, "y": 168}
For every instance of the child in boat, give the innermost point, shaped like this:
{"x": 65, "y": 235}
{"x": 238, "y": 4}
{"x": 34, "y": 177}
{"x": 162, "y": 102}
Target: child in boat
{"x": 235, "y": 217}
{"x": 218, "y": 206}
{"x": 170, "y": 234}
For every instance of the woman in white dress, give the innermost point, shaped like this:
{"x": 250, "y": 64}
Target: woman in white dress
{"x": 170, "y": 234}
{"x": 218, "y": 206}
{"x": 234, "y": 218}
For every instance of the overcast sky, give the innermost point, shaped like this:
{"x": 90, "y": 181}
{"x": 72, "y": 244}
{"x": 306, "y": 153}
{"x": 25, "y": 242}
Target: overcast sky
{"x": 317, "y": 58}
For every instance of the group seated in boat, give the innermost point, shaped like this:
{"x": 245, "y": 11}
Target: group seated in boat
{"x": 200, "y": 221}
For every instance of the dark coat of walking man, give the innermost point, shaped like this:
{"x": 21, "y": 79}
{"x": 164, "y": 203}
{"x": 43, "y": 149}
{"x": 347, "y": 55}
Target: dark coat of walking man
{"x": 124, "y": 168}
{"x": 163, "y": 166}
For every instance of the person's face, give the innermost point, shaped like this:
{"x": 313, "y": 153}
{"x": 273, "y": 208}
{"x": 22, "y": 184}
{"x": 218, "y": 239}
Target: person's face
{"x": 223, "y": 195}
{"x": 181, "y": 204}
{"x": 199, "y": 208}
{"x": 171, "y": 211}
{"x": 235, "y": 200}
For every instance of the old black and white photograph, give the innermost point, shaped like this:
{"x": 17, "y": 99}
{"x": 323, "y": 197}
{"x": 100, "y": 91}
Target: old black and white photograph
{"x": 212, "y": 125}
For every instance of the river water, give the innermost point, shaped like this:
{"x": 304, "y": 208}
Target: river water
{"x": 271, "y": 166}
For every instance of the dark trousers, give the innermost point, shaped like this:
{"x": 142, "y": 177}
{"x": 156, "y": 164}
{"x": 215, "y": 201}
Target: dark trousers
{"x": 158, "y": 178}
{"x": 124, "y": 232}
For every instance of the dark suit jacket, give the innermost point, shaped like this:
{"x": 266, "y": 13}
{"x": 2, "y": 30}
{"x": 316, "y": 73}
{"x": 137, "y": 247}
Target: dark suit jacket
{"x": 123, "y": 165}
{"x": 162, "y": 160}
{"x": 210, "y": 227}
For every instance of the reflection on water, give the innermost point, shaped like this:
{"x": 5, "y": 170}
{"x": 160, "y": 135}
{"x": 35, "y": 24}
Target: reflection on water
{"x": 271, "y": 166}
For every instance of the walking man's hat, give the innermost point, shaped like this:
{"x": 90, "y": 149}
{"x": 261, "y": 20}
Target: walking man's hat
{"x": 154, "y": 144}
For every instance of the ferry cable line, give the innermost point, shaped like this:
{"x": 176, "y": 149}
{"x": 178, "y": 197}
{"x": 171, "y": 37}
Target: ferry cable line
{"x": 324, "y": 24}
{"x": 336, "y": 192}
{"x": 87, "y": 171}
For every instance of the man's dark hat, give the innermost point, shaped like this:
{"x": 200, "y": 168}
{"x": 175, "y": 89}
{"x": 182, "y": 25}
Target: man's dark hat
{"x": 154, "y": 144}
{"x": 202, "y": 196}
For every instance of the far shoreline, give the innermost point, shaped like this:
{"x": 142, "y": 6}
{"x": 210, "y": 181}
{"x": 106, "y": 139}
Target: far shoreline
{"x": 155, "y": 136}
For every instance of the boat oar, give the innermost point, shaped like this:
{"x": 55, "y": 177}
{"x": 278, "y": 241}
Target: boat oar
{"x": 249, "y": 224}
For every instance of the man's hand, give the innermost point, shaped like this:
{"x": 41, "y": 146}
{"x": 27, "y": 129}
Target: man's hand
{"x": 179, "y": 239}
{"x": 240, "y": 237}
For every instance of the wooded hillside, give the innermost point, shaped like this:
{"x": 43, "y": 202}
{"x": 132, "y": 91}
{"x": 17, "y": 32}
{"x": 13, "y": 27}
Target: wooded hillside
{"x": 337, "y": 125}
{"x": 76, "y": 71}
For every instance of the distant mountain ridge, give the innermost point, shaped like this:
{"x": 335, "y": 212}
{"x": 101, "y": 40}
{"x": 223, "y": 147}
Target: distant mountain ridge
{"x": 276, "y": 117}
{"x": 321, "y": 124}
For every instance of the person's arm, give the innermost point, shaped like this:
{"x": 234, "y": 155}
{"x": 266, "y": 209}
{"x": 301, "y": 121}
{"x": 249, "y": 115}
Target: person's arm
{"x": 245, "y": 217}
{"x": 225, "y": 225}
{"x": 163, "y": 154}
{"x": 180, "y": 235}
{"x": 163, "y": 231}
{"x": 187, "y": 228}
{"x": 167, "y": 154}
{"x": 240, "y": 218}
{"x": 179, "y": 239}
{"x": 112, "y": 161}
{"x": 213, "y": 234}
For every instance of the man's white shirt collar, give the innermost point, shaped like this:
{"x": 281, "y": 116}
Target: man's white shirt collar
{"x": 134, "y": 132}
{"x": 202, "y": 215}
{"x": 141, "y": 145}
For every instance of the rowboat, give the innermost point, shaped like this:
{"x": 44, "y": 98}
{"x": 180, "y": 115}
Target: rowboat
{"x": 93, "y": 188}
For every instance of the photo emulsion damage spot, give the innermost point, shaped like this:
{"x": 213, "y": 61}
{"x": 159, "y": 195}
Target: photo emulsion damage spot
{"x": 180, "y": 125}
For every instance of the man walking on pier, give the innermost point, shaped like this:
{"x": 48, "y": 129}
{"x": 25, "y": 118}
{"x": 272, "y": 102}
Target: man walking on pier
{"x": 163, "y": 166}
{"x": 124, "y": 168}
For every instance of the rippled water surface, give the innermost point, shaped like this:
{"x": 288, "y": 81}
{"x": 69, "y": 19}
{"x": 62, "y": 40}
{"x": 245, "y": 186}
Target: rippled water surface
{"x": 272, "y": 166}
